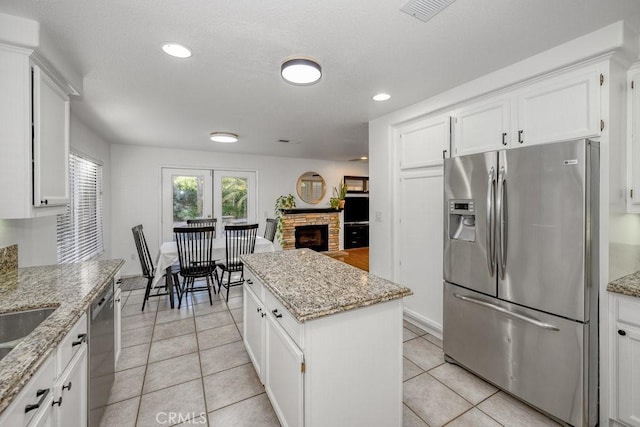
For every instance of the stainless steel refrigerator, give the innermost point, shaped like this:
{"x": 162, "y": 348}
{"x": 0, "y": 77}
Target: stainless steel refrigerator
{"x": 521, "y": 273}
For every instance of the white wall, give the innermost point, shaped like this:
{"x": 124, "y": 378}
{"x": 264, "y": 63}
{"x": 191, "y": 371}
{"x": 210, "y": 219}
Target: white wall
{"x": 36, "y": 238}
{"x": 136, "y": 187}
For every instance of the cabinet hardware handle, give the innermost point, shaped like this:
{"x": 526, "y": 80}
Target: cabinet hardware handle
{"x": 118, "y": 300}
{"x": 249, "y": 281}
{"x": 119, "y": 281}
{"x": 67, "y": 387}
{"x": 44, "y": 202}
{"x": 275, "y": 313}
{"x": 621, "y": 332}
{"x": 264, "y": 314}
{"x": 81, "y": 338}
{"x": 42, "y": 393}
{"x": 520, "y": 140}
{"x": 101, "y": 302}
{"x": 258, "y": 310}
{"x": 57, "y": 402}
{"x": 504, "y": 138}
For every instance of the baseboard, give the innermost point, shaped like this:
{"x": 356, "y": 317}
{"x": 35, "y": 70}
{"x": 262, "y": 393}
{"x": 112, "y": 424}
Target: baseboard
{"x": 422, "y": 322}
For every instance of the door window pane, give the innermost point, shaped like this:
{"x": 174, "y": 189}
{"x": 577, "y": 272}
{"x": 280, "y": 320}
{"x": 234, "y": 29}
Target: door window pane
{"x": 234, "y": 200}
{"x": 188, "y": 198}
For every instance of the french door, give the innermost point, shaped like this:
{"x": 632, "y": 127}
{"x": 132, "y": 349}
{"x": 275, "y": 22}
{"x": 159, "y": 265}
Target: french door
{"x": 229, "y": 196}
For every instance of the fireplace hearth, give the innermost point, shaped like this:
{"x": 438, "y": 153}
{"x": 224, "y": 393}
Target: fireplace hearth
{"x": 315, "y": 237}
{"x": 297, "y": 218}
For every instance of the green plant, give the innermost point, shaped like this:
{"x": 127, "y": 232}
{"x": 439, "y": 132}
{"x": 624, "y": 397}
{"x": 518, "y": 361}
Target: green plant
{"x": 339, "y": 194}
{"x": 283, "y": 202}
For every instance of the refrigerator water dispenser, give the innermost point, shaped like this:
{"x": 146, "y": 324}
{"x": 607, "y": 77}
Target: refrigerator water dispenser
{"x": 462, "y": 220}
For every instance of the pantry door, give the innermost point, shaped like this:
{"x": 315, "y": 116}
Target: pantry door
{"x": 186, "y": 194}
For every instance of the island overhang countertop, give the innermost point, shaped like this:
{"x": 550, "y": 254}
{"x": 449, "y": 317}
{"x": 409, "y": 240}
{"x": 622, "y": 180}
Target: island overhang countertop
{"x": 312, "y": 285}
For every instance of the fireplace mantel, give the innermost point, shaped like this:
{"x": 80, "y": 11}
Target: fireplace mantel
{"x": 296, "y": 211}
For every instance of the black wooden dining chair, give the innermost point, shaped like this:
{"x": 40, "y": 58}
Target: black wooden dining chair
{"x": 270, "y": 229}
{"x": 241, "y": 240}
{"x": 148, "y": 270}
{"x": 204, "y": 222}
{"x": 195, "y": 253}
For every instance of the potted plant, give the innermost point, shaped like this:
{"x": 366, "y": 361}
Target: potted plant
{"x": 283, "y": 202}
{"x": 337, "y": 201}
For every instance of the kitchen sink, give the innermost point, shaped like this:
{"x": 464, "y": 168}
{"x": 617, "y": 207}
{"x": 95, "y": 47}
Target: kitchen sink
{"x": 15, "y": 326}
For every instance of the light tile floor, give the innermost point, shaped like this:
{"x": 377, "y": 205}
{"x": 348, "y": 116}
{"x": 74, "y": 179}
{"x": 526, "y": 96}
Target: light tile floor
{"x": 191, "y": 363}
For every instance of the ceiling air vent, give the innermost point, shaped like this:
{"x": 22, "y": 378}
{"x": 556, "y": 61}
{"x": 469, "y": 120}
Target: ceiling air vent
{"x": 425, "y": 9}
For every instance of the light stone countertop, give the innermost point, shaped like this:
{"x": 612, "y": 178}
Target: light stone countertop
{"x": 627, "y": 285}
{"x": 70, "y": 288}
{"x": 311, "y": 285}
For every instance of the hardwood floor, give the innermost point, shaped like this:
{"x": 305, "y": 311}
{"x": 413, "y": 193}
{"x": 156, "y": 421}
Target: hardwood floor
{"x": 358, "y": 257}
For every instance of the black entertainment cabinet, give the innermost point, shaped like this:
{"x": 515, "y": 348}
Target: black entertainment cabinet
{"x": 356, "y": 235}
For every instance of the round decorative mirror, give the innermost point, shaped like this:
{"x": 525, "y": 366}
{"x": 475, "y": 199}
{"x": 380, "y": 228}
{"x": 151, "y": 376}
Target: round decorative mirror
{"x": 311, "y": 187}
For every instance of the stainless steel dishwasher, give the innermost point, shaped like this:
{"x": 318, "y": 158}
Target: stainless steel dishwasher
{"x": 101, "y": 354}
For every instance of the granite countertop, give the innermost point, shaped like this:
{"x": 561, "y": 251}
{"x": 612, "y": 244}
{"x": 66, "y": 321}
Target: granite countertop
{"x": 627, "y": 285}
{"x": 70, "y": 288}
{"x": 311, "y": 285}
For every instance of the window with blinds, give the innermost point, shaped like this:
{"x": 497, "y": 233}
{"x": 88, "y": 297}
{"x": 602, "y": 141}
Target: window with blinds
{"x": 80, "y": 229}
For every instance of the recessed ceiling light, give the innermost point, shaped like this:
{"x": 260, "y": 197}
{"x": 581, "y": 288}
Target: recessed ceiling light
{"x": 301, "y": 70}
{"x": 381, "y": 97}
{"x": 224, "y": 137}
{"x": 176, "y": 50}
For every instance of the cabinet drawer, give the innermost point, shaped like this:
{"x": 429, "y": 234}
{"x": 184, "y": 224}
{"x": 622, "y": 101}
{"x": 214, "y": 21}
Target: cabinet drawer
{"x": 284, "y": 318}
{"x": 72, "y": 342}
{"x": 37, "y": 392}
{"x": 628, "y": 311}
{"x": 255, "y": 284}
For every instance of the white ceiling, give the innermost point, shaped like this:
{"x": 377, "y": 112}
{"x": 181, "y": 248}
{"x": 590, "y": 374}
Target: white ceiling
{"x": 135, "y": 94}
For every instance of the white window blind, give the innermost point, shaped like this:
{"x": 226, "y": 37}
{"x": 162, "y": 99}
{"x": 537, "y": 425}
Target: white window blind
{"x": 80, "y": 229}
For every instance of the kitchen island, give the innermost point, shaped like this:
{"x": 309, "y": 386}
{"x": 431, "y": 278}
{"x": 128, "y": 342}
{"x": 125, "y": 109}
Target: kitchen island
{"x": 67, "y": 288}
{"x": 325, "y": 339}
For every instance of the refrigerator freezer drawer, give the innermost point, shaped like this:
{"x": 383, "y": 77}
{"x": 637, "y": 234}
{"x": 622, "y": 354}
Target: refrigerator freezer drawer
{"x": 537, "y": 357}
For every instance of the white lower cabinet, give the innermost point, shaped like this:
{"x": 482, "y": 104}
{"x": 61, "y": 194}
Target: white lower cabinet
{"x": 326, "y": 371}
{"x": 70, "y": 393}
{"x": 626, "y": 360}
{"x": 117, "y": 322}
{"x": 284, "y": 374}
{"x": 254, "y": 333}
{"x": 57, "y": 394}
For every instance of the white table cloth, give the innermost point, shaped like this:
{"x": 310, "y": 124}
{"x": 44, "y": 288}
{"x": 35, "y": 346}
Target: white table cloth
{"x": 169, "y": 253}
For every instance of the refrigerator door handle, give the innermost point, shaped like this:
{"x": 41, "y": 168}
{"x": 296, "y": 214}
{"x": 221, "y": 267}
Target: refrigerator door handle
{"x": 508, "y": 313}
{"x": 491, "y": 262}
{"x": 502, "y": 251}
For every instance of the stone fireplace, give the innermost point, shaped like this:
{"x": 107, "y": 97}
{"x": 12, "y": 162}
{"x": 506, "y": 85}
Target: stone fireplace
{"x": 305, "y": 222}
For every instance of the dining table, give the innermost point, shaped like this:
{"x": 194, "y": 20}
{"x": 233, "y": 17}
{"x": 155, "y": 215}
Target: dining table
{"x": 168, "y": 255}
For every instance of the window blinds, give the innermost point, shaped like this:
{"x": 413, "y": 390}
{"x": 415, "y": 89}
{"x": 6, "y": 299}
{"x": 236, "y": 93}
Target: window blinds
{"x": 80, "y": 229}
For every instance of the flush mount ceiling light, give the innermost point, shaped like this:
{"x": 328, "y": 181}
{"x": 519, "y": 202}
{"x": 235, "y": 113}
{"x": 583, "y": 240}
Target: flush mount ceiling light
{"x": 301, "y": 70}
{"x": 176, "y": 50}
{"x": 381, "y": 97}
{"x": 224, "y": 137}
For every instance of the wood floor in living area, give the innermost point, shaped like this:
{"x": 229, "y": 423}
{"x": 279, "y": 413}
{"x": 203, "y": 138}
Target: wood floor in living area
{"x": 358, "y": 257}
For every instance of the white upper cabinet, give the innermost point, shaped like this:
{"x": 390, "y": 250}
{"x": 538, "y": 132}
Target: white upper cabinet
{"x": 424, "y": 143}
{"x": 482, "y": 127}
{"x": 557, "y": 108}
{"x": 561, "y": 108}
{"x": 34, "y": 141}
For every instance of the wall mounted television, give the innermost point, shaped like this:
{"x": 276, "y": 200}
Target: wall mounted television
{"x": 356, "y": 209}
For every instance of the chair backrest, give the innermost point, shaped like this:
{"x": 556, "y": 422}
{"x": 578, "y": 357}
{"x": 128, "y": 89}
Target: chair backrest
{"x": 195, "y": 250}
{"x": 204, "y": 222}
{"x": 241, "y": 240}
{"x": 270, "y": 229}
{"x": 146, "y": 262}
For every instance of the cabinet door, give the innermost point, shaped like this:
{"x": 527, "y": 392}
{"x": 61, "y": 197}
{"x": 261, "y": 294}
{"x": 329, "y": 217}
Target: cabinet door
{"x": 284, "y": 374}
{"x": 628, "y": 374}
{"x": 481, "y": 127}
{"x": 254, "y": 329}
{"x": 424, "y": 143}
{"x": 560, "y": 109}
{"x": 51, "y": 141}
{"x": 70, "y": 396}
{"x": 117, "y": 322}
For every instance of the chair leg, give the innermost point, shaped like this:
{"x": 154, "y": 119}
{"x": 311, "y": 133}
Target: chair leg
{"x": 183, "y": 291}
{"x": 209, "y": 289}
{"x": 146, "y": 292}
